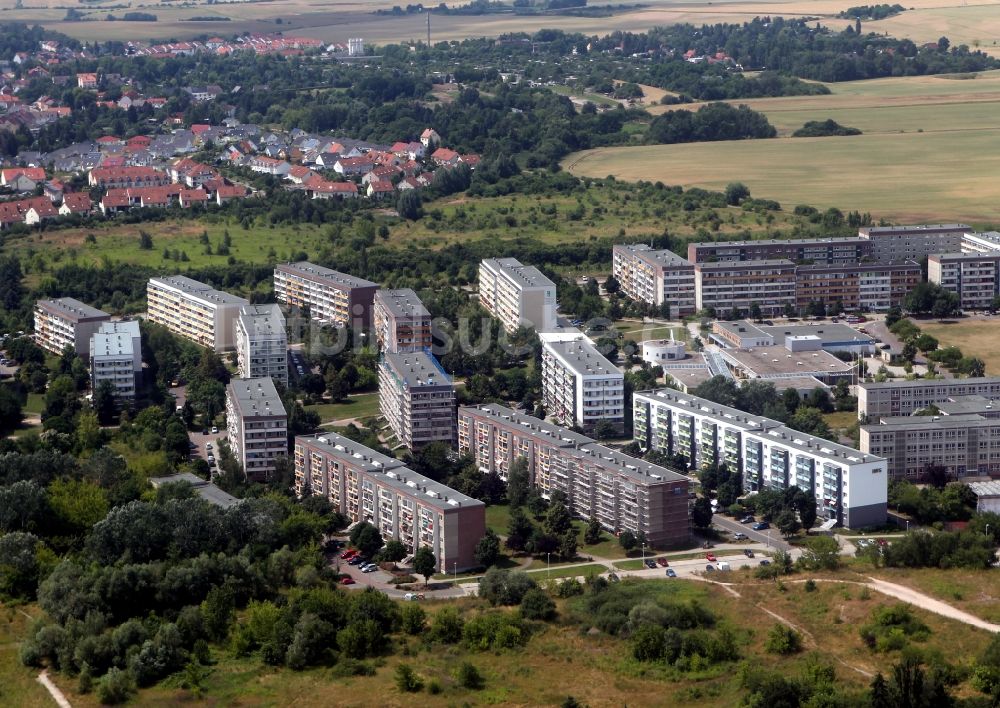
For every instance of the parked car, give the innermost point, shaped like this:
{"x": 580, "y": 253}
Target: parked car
{"x": 748, "y": 552}
{"x": 671, "y": 573}
{"x": 613, "y": 577}
{"x": 370, "y": 568}
{"x": 739, "y": 536}
{"x": 356, "y": 560}
{"x": 208, "y": 446}
{"x": 748, "y": 519}
{"x": 215, "y": 430}
{"x": 710, "y": 557}
{"x": 709, "y": 568}
{"x": 347, "y": 580}
{"x": 765, "y": 562}
{"x": 761, "y": 525}
{"x": 651, "y": 564}
{"x": 348, "y": 554}
{"x": 662, "y": 562}
{"x": 413, "y": 596}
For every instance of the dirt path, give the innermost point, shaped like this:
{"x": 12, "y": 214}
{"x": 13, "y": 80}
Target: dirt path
{"x": 901, "y": 592}
{"x": 57, "y": 695}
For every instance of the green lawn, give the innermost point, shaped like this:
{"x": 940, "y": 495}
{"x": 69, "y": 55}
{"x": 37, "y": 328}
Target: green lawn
{"x": 362, "y": 405}
{"x": 35, "y": 403}
{"x": 18, "y": 686}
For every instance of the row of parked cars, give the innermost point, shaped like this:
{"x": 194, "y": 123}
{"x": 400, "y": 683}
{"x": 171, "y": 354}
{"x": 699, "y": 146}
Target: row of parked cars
{"x": 354, "y": 558}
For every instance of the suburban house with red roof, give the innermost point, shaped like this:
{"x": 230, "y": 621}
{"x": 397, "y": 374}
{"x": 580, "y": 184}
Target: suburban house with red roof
{"x": 127, "y": 177}
{"x": 321, "y": 189}
{"x": 76, "y": 203}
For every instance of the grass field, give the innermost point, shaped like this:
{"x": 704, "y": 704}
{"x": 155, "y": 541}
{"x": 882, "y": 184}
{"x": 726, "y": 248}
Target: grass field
{"x": 974, "y": 591}
{"x": 17, "y": 684}
{"x": 362, "y": 405}
{"x": 908, "y": 123}
{"x": 980, "y": 338}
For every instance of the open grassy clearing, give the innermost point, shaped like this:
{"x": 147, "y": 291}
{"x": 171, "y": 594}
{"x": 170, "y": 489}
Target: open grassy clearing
{"x": 361, "y": 405}
{"x": 17, "y": 683}
{"x": 975, "y": 337}
{"x": 887, "y": 175}
{"x": 974, "y": 591}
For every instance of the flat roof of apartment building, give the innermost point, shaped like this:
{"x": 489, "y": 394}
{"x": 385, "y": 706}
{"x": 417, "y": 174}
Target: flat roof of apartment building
{"x": 129, "y": 327}
{"x": 71, "y": 309}
{"x": 661, "y": 257}
{"x": 760, "y": 425}
{"x": 417, "y": 369}
{"x": 928, "y": 421}
{"x": 827, "y": 333}
{"x": 931, "y": 383}
{"x": 324, "y": 275}
{"x": 198, "y": 289}
{"x": 206, "y": 490}
{"x": 262, "y": 320}
{"x": 960, "y": 405}
{"x": 965, "y": 257}
{"x": 861, "y": 267}
{"x": 402, "y": 303}
{"x": 915, "y": 228}
{"x": 256, "y": 398}
{"x": 581, "y": 357}
{"x": 112, "y": 345}
{"x": 393, "y": 473}
{"x": 847, "y": 240}
{"x": 525, "y": 276}
{"x": 585, "y": 447}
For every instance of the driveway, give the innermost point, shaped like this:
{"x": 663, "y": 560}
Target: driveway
{"x": 771, "y": 538}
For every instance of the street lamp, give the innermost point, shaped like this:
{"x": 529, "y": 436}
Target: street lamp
{"x": 454, "y": 569}
{"x": 644, "y": 555}
{"x": 548, "y": 568}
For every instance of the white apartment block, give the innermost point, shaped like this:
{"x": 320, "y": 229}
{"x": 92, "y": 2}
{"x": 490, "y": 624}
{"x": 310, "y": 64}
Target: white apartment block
{"x": 980, "y": 242}
{"x": 655, "y": 277}
{"x": 896, "y": 398}
{"x": 256, "y": 426}
{"x": 401, "y": 322}
{"x": 911, "y": 243}
{"x": 974, "y": 277}
{"x": 194, "y": 310}
{"x": 262, "y": 343}
{"x": 769, "y": 284}
{"x": 66, "y": 322}
{"x": 517, "y": 295}
{"x": 850, "y": 486}
{"x": 331, "y": 296}
{"x": 116, "y": 356}
{"x": 417, "y": 398}
{"x": 580, "y": 386}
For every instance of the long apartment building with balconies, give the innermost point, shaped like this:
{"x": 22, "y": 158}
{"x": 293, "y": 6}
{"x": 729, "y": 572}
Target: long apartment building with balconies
{"x": 116, "y": 357}
{"x": 401, "y": 322}
{"x": 856, "y": 287}
{"x": 623, "y": 493}
{"x": 366, "y": 485}
{"x": 655, "y": 277}
{"x": 194, "y": 310}
{"x": 580, "y": 386}
{"x": 332, "y": 297}
{"x": 517, "y": 295}
{"x": 723, "y": 286}
{"x": 849, "y": 486}
{"x": 262, "y": 343}
{"x": 897, "y": 398}
{"x": 974, "y": 277}
{"x": 417, "y": 398}
{"x": 826, "y": 251}
{"x": 67, "y": 322}
{"x": 257, "y": 426}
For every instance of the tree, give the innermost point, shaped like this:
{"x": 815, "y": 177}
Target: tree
{"x": 736, "y": 192}
{"x": 567, "y": 544}
{"x": 11, "y": 413}
{"x": 407, "y": 680}
{"x": 701, "y": 513}
{"x": 787, "y": 523}
{"x": 627, "y": 540}
{"x": 366, "y": 538}
{"x": 592, "y": 535}
{"x": 409, "y": 205}
{"x": 558, "y": 520}
{"x": 518, "y": 530}
{"x": 468, "y": 676}
{"x": 518, "y": 483}
{"x": 145, "y": 241}
{"x": 505, "y": 587}
{"x": 424, "y": 563}
{"x": 393, "y": 551}
{"x": 783, "y": 640}
{"x": 536, "y": 604}
{"x": 488, "y": 549}
{"x": 822, "y": 553}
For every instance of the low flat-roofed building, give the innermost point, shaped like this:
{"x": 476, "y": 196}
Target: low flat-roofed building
{"x": 778, "y": 362}
{"x": 67, "y": 322}
{"x": 741, "y": 334}
{"x": 689, "y": 374}
{"x": 832, "y": 336}
{"x": 987, "y": 496}
{"x": 366, "y": 485}
{"x": 203, "y": 488}
{"x": 257, "y": 425}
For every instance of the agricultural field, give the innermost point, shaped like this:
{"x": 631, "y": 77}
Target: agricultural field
{"x": 975, "y": 337}
{"x": 908, "y": 123}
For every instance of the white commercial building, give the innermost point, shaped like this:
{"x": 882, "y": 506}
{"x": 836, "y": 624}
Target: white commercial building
{"x": 262, "y": 343}
{"x": 66, "y": 322}
{"x": 581, "y": 387}
{"x": 116, "y": 356}
{"x": 517, "y": 295}
{"x": 657, "y": 352}
{"x": 849, "y": 486}
{"x": 194, "y": 310}
{"x": 257, "y": 425}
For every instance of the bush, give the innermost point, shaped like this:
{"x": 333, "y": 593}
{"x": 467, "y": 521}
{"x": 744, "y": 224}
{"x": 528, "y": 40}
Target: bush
{"x": 783, "y": 640}
{"x": 115, "y": 687}
{"x": 407, "y": 680}
{"x": 447, "y": 626}
{"x": 891, "y": 627}
{"x": 570, "y": 587}
{"x": 536, "y": 604}
{"x": 414, "y": 619}
{"x": 469, "y": 677}
{"x": 505, "y": 587}
{"x": 494, "y": 630}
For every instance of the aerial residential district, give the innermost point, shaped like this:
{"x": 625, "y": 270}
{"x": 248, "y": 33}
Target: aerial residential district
{"x": 324, "y": 381}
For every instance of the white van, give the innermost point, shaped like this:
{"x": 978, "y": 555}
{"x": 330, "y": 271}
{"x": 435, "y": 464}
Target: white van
{"x": 724, "y": 565}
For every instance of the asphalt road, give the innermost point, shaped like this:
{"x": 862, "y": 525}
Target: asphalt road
{"x": 771, "y": 537}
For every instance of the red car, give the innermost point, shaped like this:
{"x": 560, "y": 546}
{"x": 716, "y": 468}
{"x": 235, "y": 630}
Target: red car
{"x": 662, "y": 562}
{"x": 347, "y": 555}
{"x": 710, "y": 557}
{"x": 347, "y": 580}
